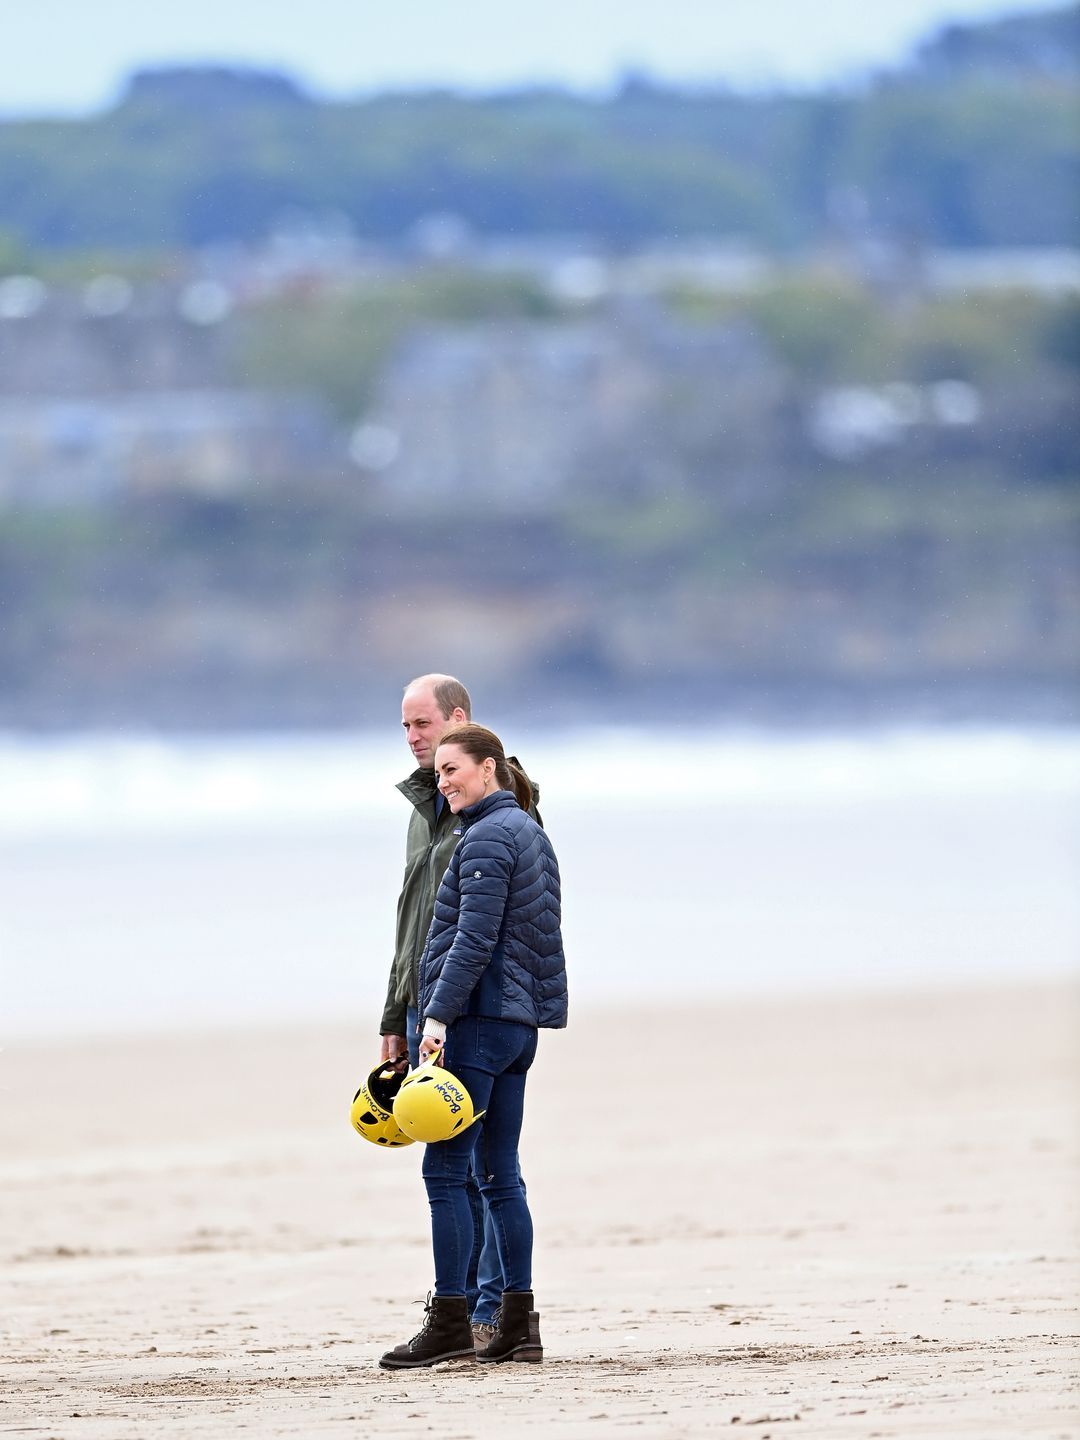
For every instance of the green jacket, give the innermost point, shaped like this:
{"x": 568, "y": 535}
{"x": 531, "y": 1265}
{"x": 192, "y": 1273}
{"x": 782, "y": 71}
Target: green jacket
{"x": 428, "y": 848}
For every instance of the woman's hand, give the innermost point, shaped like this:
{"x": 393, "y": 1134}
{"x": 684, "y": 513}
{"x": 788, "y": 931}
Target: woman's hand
{"x": 429, "y": 1047}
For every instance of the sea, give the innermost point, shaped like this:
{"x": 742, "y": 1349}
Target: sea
{"x": 152, "y": 882}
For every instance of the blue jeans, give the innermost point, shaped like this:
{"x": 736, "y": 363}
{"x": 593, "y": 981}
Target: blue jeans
{"x": 492, "y": 1059}
{"x": 484, "y": 1280}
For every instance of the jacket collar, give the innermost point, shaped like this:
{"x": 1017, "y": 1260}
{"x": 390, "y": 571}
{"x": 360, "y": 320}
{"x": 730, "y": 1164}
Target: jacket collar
{"x": 418, "y": 787}
{"x": 499, "y": 800}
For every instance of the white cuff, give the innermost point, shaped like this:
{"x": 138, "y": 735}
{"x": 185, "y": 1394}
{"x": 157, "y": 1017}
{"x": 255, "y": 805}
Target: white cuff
{"x": 434, "y": 1030}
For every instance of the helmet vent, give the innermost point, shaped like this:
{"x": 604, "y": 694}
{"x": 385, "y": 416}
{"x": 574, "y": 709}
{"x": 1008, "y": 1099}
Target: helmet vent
{"x": 370, "y": 1111}
{"x": 382, "y": 1088}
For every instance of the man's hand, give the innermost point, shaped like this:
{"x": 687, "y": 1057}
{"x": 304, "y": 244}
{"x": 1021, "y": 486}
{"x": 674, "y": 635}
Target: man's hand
{"x": 393, "y": 1047}
{"x": 428, "y": 1046}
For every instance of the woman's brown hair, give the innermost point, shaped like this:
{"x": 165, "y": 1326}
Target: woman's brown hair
{"x": 481, "y": 744}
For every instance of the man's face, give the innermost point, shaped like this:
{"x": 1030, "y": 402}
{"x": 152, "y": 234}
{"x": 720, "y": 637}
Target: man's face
{"x": 424, "y": 725}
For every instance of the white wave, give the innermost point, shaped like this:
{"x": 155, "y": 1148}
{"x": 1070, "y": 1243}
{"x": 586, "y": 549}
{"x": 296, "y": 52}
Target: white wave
{"x": 99, "y": 784}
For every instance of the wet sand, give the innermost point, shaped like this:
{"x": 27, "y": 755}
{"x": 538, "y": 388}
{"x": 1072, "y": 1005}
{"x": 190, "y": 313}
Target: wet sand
{"x": 829, "y": 1217}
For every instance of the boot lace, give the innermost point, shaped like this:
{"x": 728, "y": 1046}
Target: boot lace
{"x": 422, "y": 1332}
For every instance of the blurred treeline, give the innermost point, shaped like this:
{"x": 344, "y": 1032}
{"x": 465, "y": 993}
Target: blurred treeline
{"x": 836, "y": 489}
{"x": 974, "y": 143}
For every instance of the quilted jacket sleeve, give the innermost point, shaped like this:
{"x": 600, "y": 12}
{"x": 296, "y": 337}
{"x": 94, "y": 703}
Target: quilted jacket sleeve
{"x": 485, "y": 865}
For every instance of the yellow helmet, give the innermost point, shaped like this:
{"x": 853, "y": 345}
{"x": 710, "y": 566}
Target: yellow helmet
{"x": 432, "y": 1104}
{"x": 371, "y": 1112}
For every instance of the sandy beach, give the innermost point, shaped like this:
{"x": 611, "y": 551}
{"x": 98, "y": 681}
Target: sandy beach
{"x": 832, "y": 1217}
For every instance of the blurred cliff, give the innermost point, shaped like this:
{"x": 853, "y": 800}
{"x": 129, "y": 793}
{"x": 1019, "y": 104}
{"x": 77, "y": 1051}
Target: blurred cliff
{"x": 668, "y": 400}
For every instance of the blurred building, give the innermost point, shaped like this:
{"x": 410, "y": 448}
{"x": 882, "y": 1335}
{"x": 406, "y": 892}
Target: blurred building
{"x": 110, "y": 336}
{"x": 521, "y": 414}
{"x": 213, "y": 442}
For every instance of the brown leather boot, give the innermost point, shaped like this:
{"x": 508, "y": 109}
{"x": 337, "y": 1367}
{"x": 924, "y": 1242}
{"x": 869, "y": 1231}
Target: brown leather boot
{"x": 517, "y": 1334}
{"x": 446, "y": 1334}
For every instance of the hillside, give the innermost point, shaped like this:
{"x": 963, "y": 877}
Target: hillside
{"x": 973, "y": 143}
{"x": 618, "y": 457}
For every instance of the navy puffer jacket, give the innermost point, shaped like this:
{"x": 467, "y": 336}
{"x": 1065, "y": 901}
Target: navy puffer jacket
{"x": 495, "y": 943}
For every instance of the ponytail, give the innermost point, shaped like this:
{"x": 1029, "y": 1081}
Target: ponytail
{"x": 516, "y": 780}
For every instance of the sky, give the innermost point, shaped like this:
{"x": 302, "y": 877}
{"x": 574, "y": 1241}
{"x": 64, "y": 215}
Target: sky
{"x": 72, "y": 56}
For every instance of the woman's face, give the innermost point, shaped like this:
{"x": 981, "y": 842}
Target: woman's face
{"x": 462, "y": 780}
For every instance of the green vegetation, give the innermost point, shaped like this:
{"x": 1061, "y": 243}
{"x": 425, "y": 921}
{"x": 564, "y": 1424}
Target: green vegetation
{"x": 336, "y": 343}
{"x": 709, "y": 533}
{"x": 975, "y": 143}
{"x": 828, "y": 328}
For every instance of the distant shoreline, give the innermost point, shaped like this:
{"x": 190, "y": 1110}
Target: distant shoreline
{"x": 782, "y": 705}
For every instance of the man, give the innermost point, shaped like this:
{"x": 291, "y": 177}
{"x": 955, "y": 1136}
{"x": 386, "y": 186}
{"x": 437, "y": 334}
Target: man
{"x": 430, "y": 706}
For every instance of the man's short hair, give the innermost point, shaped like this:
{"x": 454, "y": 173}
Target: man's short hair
{"x": 450, "y": 694}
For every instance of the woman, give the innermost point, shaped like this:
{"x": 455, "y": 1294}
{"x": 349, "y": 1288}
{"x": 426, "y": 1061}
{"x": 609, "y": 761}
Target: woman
{"x": 492, "y": 974}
